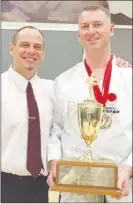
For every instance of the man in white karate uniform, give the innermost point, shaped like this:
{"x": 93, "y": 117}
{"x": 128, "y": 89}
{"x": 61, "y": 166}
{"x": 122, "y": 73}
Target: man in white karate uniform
{"x": 113, "y": 143}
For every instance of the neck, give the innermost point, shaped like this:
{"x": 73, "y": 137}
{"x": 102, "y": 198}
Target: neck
{"x": 97, "y": 59}
{"x": 27, "y": 74}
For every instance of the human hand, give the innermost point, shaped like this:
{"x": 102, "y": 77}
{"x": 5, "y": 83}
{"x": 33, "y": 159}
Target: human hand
{"x": 122, "y": 63}
{"x": 52, "y": 174}
{"x": 123, "y": 181}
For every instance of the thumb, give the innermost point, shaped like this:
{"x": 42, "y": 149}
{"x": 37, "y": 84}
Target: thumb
{"x": 54, "y": 169}
{"x": 50, "y": 180}
{"x": 120, "y": 184}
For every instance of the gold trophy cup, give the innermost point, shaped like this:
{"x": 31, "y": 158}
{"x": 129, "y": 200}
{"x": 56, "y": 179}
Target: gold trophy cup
{"x": 86, "y": 175}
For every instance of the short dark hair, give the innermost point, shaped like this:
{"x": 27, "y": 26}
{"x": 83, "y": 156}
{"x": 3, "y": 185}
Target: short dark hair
{"x": 14, "y": 39}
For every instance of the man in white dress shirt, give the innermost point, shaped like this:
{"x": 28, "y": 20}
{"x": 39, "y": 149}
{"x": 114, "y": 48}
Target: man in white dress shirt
{"x": 26, "y": 121}
{"x": 113, "y": 143}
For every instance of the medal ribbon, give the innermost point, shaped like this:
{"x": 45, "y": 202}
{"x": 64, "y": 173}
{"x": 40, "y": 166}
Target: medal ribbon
{"x": 102, "y": 96}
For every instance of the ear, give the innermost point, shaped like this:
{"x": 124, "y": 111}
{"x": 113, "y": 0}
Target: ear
{"x": 11, "y": 49}
{"x": 112, "y": 29}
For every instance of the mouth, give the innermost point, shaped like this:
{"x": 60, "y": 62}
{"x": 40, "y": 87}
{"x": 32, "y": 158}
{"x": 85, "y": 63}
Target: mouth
{"x": 29, "y": 59}
{"x": 93, "y": 39}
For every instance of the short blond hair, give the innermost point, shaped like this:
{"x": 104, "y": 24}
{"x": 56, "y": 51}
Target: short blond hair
{"x": 103, "y": 3}
{"x": 97, "y": 5}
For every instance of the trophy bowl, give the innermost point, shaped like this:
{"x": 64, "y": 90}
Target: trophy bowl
{"x": 89, "y": 119}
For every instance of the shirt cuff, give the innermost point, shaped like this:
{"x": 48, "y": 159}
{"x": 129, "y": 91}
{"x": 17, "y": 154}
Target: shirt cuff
{"x": 54, "y": 152}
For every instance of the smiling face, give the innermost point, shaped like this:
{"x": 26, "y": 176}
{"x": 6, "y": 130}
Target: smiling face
{"x": 95, "y": 29}
{"x": 27, "y": 51}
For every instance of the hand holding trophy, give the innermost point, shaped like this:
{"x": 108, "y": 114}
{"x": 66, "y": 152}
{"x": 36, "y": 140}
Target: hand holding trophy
{"x": 87, "y": 175}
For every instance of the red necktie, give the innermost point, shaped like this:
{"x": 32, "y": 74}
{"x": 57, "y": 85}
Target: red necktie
{"x": 34, "y": 161}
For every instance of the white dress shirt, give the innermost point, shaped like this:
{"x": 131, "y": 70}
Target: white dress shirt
{"x": 15, "y": 120}
{"x": 114, "y": 143}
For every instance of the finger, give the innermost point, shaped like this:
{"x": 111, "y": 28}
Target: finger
{"x": 118, "y": 198}
{"x": 122, "y": 63}
{"x": 126, "y": 64}
{"x": 129, "y": 65}
{"x": 50, "y": 180}
{"x": 120, "y": 184}
{"x": 118, "y": 60}
{"x": 54, "y": 169}
{"x": 125, "y": 190}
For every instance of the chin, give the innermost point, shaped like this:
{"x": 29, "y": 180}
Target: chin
{"x": 29, "y": 67}
{"x": 95, "y": 47}
{"x": 92, "y": 46}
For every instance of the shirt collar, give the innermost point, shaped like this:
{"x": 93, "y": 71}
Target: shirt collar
{"x": 19, "y": 80}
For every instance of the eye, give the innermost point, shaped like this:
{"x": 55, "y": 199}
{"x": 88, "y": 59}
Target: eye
{"x": 98, "y": 25}
{"x": 24, "y": 45}
{"x": 85, "y": 26}
{"x": 37, "y": 48}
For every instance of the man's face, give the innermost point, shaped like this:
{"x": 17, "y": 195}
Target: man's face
{"x": 95, "y": 29}
{"x": 28, "y": 52}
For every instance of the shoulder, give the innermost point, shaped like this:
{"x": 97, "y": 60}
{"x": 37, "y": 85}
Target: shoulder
{"x": 5, "y": 85}
{"x": 47, "y": 82}
{"x": 4, "y": 78}
{"x": 4, "y": 75}
{"x": 69, "y": 74}
{"x": 47, "y": 85}
{"x": 125, "y": 77}
{"x": 125, "y": 73}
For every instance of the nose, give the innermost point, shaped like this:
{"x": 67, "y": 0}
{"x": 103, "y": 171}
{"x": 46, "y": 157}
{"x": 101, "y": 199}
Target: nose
{"x": 31, "y": 49}
{"x": 91, "y": 30}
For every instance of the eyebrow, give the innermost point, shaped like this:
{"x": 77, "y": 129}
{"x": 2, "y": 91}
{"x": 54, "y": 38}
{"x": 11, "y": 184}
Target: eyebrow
{"x": 25, "y": 42}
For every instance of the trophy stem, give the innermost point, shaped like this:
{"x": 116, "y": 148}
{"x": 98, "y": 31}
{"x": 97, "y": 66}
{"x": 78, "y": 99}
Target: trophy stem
{"x": 87, "y": 156}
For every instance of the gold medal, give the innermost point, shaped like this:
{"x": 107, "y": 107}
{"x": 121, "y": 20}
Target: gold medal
{"x": 106, "y": 121}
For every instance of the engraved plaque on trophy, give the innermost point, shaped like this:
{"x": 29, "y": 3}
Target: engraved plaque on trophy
{"x": 87, "y": 175}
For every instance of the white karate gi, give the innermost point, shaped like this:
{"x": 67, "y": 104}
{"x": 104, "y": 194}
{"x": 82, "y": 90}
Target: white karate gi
{"x": 114, "y": 143}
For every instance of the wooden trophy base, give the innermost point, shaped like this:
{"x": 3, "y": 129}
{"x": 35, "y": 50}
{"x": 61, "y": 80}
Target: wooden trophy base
{"x": 97, "y": 177}
{"x": 87, "y": 190}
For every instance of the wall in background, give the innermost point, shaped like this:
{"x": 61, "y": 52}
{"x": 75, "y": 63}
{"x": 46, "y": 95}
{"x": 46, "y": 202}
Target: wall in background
{"x": 63, "y": 50}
